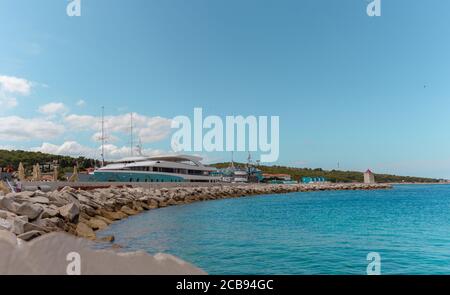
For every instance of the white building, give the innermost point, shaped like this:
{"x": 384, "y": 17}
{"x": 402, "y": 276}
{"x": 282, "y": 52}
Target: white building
{"x": 369, "y": 177}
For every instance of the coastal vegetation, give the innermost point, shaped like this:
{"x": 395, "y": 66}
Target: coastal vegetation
{"x": 28, "y": 159}
{"x": 332, "y": 175}
{"x": 66, "y": 163}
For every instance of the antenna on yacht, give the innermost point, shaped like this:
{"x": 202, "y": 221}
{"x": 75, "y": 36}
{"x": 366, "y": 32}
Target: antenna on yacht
{"x": 131, "y": 133}
{"x": 103, "y": 136}
{"x": 139, "y": 147}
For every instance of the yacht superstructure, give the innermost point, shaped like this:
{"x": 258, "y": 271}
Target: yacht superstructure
{"x": 169, "y": 168}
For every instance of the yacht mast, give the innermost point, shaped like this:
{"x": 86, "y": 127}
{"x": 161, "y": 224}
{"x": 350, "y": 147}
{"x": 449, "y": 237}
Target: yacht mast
{"x": 139, "y": 147}
{"x": 103, "y": 136}
{"x": 131, "y": 134}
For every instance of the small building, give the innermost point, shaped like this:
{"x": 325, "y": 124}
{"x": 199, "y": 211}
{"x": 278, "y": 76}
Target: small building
{"x": 314, "y": 179}
{"x": 269, "y": 176}
{"x": 369, "y": 177}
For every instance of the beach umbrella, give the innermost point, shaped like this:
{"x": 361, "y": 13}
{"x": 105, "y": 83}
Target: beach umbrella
{"x": 34, "y": 177}
{"x": 74, "y": 177}
{"x": 21, "y": 172}
{"x": 38, "y": 172}
{"x": 3, "y": 187}
{"x": 55, "y": 173}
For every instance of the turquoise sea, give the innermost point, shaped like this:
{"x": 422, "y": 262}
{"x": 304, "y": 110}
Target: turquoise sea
{"x": 328, "y": 232}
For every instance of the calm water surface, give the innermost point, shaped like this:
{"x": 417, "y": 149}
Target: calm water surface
{"x": 302, "y": 233}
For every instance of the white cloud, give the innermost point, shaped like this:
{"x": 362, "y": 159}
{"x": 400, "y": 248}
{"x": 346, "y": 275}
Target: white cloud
{"x": 7, "y": 147}
{"x": 53, "y": 108}
{"x": 14, "y": 128}
{"x": 9, "y": 86}
{"x": 7, "y": 102}
{"x": 81, "y": 103}
{"x": 75, "y": 149}
{"x": 68, "y": 148}
{"x": 13, "y": 85}
{"x": 148, "y": 129}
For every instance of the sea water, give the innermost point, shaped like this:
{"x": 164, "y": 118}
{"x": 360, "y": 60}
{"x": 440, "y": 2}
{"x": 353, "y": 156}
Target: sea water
{"x": 326, "y": 232}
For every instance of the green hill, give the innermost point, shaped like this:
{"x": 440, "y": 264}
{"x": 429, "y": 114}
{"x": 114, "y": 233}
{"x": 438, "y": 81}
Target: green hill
{"x": 332, "y": 175}
{"x": 13, "y": 158}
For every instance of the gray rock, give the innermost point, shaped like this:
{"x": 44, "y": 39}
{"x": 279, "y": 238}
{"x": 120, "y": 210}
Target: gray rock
{"x": 88, "y": 210}
{"x": 25, "y": 194}
{"x": 40, "y": 200}
{"x": 108, "y": 239}
{"x": 24, "y": 218}
{"x": 7, "y": 203}
{"x": 21, "y": 199}
{"x": 49, "y": 212}
{"x": 70, "y": 212}
{"x": 31, "y": 227}
{"x": 83, "y": 199}
{"x": 6, "y": 214}
{"x": 83, "y": 230}
{"x": 56, "y": 200}
{"x": 30, "y": 235}
{"x": 5, "y": 224}
{"x": 30, "y": 210}
{"x": 46, "y": 224}
{"x": 58, "y": 222}
{"x": 3, "y": 214}
{"x": 18, "y": 226}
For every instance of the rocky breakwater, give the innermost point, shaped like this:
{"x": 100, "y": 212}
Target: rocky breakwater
{"x": 32, "y": 214}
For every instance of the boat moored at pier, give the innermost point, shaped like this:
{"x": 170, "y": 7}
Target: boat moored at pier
{"x": 170, "y": 168}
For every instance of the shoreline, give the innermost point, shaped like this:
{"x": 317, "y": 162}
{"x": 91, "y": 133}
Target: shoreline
{"x": 31, "y": 214}
{"x": 48, "y": 225}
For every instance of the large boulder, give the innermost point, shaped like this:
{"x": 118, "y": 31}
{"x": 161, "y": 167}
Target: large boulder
{"x": 31, "y": 226}
{"x": 5, "y": 224}
{"x": 56, "y": 199}
{"x": 49, "y": 212}
{"x": 6, "y": 214}
{"x": 24, "y": 194}
{"x": 48, "y": 224}
{"x": 32, "y": 211}
{"x": 18, "y": 225}
{"x": 113, "y": 215}
{"x": 97, "y": 224}
{"x": 83, "y": 230}
{"x": 40, "y": 200}
{"x": 30, "y": 235}
{"x": 106, "y": 220}
{"x": 153, "y": 204}
{"x": 7, "y": 203}
{"x": 70, "y": 212}
{"x": 127, "y": 210}
{"x": 88, "y": 210}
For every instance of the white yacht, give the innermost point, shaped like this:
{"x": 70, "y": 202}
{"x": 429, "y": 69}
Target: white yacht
{"x": 170, "y": 168}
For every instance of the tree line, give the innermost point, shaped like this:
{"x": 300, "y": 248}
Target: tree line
{"x": 331, "y": 175}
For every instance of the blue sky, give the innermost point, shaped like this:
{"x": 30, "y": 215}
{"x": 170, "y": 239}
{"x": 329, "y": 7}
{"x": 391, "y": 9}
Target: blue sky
{"x": 364, "y": 92}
